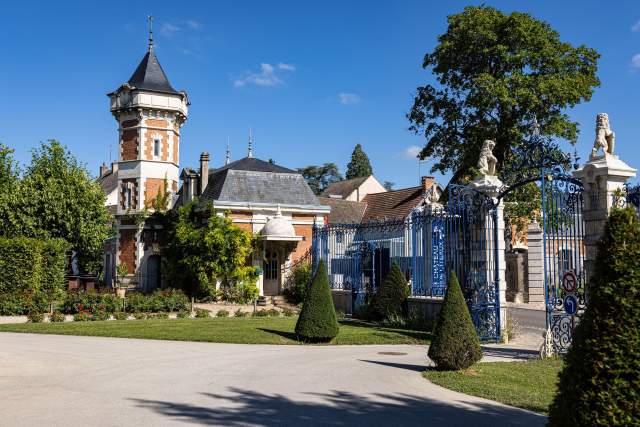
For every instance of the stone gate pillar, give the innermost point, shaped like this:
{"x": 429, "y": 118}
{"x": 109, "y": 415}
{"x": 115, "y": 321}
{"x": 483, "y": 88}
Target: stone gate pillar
{"x": 535, "y": 263}
{"x": 601, "y": 177}
{"x": 490, "y": 185}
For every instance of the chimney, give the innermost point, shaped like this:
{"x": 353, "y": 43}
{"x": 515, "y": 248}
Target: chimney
{"x": 427, "y": 183}
{"x": 103, "y": 169}
{"x": 204, "y": 171}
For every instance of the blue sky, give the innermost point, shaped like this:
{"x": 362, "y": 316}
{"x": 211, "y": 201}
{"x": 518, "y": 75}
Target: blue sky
{"x": 311, "y": 78}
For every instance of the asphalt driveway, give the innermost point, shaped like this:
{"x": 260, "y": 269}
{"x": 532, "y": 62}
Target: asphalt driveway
{"x": 84, "y": 381}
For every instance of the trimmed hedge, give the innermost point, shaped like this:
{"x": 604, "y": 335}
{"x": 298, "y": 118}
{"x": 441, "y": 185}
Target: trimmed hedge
{"x": 389, "y": 300}
{"x": 317, "y": 321}
{"x": 600, "y": 382}
{"x": 32, "y": 272}
{"x": 455, "y": 344}
{"x": 159, "y": 301}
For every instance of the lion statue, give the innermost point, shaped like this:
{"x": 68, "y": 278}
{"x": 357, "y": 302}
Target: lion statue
{"x": 487, "y": 161}
{"x": 605, "y": 137}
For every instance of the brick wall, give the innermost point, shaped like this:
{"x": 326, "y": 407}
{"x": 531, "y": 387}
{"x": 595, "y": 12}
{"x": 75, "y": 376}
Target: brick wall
{"x": 152, "y": 187}
{"x": 302, "y": 217}
{"x": 175, "y": 148}
{"x": 303, "y": 246}
{"x": 128, "y": 249}
{"x": 129, "y": 146}
{"x": 129, "y": 123}
{"x": 151, "y": 135}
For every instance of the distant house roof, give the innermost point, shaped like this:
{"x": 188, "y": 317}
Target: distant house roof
{"x": 343, "y": 188}
{"x": 392, "y": 204}
{"x": 108, "y": 182}
{"x": 343, "y": 211}
{"x": 257, "y": 181}
{"x": 150, "y": 76}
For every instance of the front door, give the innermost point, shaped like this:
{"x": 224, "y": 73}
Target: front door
{"x": 271, "y": 283}
{"x": 153, "y": 273}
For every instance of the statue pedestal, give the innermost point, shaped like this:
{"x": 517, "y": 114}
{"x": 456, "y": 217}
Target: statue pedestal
{"x": 602, "y": 176}
{"x": 487, "y": 184}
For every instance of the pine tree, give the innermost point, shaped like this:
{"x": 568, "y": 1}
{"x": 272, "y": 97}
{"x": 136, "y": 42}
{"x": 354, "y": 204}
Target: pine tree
{"x": 359, "y": 165}
{"x": 600, "y": 382}
{"x": 317, "y": 321}
{"x": 393, "y": 292}
{"x": 455, "y": 344}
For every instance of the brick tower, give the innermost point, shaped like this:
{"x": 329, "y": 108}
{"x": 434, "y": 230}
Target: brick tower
{"x": 149, "y": 112}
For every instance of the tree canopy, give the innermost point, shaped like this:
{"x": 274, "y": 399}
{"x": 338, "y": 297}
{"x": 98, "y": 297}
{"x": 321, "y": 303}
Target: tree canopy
{"x": 55, "y": 197}
{"x": 319, "y": 177}
{"x": 359, "y": 165}
{"x": 203, "y": 247}
{"x": 496, "y": 73}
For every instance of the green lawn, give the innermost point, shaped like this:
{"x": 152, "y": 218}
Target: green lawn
{"x": 530, "y": 385}
{"x": 250, "y": 330}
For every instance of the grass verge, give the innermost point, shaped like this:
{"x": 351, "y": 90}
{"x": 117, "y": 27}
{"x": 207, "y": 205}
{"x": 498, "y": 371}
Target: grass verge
{"x": 265, "y": 330}
{"x": 529, "y": 385}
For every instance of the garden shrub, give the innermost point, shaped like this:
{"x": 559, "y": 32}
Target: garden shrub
{"x": 261, "y": 313}
{"x": 14, "y": 304}
{"x": 35, "y": 317}
{"x": 79, "y": 300}
{"x": 455, "y": 344}
{"x": 600, "y": 382}
{"x": 287, "y": 312}
{"x": 317, "y": 321}
{"x": 391, "y": 296}
{"x": 139, "y": 315}
{"x": 222, "y": 313}
{"x": 56, "y": 317}
{"x": 301, "y": 277}
{"x": 272, "y": 312}
{"x": 201, "y": 313}
{"x": 99, "y": 314}
{"x": 83, "y": 316}
{"x": 158, "y": 315}
{"x": 120, "y": 315}
{"x": 53, "y": 267}
{"x": 242, "y": 293}
{"x": 240, "y": 313}
{"x": 183, "y": 314}
{"x": 161, "y": 300}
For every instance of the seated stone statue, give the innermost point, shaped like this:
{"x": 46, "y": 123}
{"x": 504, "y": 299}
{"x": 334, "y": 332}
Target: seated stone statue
{"x": 487, "y": 161}
{"x": 605, "y": 137}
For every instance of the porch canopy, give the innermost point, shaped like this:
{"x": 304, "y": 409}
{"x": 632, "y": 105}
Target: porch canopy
{"x": 279, "y": 229}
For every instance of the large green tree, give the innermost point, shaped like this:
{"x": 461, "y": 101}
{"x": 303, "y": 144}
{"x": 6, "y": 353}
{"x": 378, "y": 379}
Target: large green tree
{"x": 57, "y": 198}
{"x": 319, "y": 177}
{"x": 203, "y": 247}
{"x": 495, "y": 73}
{"x": 359, "y": 165}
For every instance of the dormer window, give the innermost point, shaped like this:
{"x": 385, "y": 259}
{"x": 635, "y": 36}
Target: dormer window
{"x": 156, "y": 147}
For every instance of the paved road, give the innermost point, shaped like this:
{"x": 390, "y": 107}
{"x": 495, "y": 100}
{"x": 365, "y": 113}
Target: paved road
{"x": 532, "y": 320}
{"x": 72, "y": 381}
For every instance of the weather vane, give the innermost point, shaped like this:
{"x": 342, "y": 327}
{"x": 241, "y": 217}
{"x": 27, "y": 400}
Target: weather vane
{"x": 150, "y": 19}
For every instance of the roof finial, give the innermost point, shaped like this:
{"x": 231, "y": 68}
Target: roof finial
{"x": 150, "y": 19}
{"x": 228, "y": 158}
{"x": 250, "y": 144}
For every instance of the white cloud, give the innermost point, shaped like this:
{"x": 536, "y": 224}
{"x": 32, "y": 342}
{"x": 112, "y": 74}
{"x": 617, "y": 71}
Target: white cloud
{"x": 635, "y": 61}
{"x": 412, "y": 152}
{"x": 349, "y": 98}
{"x": 167, "y": 29}
{"x": 636, "y": 27}
{"x": 194, "y": 25}
{"x": 286, "y": 67}
{"x": 267, "y": 76}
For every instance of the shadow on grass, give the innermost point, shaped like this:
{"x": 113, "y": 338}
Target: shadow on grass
{"x": 241, "y": 407}
{"x": 411, "y": 333}
{"x": 284, "y": 334}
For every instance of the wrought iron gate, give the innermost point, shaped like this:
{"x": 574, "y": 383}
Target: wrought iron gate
{"x": 563, "y": 255}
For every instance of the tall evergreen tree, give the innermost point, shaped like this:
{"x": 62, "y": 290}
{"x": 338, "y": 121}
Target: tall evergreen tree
{"x": 600, "y": 382}
{"x": 359, "y": 165}
{"x": 317, "y": 321}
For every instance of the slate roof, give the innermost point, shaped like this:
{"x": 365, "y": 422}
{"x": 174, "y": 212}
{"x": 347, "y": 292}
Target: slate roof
{"x": 256, "y": 181}
{"x": 108, "y": 182}
{"x": 344, "y": 211}
{"x": 343, "y": 188}
{"x": 150, "y": 76}
{"x": 392, "y": 204}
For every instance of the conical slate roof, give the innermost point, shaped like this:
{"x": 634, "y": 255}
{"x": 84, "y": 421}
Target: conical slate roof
{"x": 150, "y": 76}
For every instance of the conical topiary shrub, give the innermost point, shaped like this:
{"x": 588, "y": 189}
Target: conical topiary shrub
{"x": 600, "y": 382}
{"x": 317, "y": 321}
{"x": 455, "y": 344}
{"x": 392, "y": 293}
